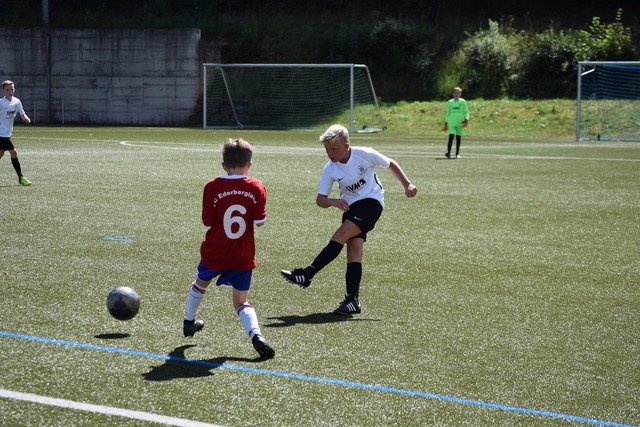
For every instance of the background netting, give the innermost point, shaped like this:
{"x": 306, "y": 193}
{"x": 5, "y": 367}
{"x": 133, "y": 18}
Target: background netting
{"x": 608, "y": 101}
{"x": 291, "y": 96}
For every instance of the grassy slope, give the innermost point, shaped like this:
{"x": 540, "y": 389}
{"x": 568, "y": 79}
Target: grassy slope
{"x": 554, "y": 118}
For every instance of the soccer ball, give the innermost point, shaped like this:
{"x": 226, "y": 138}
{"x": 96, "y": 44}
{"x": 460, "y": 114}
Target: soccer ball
{"x": 123, "y": 303}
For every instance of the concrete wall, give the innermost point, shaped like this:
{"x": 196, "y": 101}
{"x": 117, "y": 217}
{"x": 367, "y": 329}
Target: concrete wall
{"x": 111, "y": 77}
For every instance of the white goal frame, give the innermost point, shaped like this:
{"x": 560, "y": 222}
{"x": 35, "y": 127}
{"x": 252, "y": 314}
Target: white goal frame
{"x": 608, "y": 101}
{"x": 214, "y": 75}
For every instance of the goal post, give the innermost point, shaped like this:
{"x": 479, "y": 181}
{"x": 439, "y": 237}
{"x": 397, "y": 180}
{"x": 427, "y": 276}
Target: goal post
{"x": 608, "y": 101}
{"x": 290, "y": 96}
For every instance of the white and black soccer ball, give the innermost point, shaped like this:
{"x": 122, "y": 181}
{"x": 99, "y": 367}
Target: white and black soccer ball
{"x": 123, "y": 303}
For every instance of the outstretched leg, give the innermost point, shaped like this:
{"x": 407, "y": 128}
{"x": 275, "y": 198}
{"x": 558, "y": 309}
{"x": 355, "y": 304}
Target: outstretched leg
{"x": 303, "y": 276}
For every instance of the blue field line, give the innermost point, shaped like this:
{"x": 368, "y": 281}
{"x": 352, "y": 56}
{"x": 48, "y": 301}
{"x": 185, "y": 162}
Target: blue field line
{"x": 322, "y": 380}
{"x": 126, "y": 239}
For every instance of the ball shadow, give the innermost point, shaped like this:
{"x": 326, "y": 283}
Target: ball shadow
{"x": 111, "y": 336}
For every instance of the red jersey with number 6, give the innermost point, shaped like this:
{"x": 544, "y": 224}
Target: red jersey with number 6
{"x": 231, "y": 205}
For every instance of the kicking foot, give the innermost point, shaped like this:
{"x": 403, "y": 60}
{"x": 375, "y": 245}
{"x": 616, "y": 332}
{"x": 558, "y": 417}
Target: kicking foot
{"x": 297, "y": 276}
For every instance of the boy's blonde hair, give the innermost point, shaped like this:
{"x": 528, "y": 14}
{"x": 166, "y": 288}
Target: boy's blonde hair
{"x": 335, "y": 133}
{"x": 236, "y": 152}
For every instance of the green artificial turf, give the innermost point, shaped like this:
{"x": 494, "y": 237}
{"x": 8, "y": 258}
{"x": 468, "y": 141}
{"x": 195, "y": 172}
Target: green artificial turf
{"x": 505, "y": 293}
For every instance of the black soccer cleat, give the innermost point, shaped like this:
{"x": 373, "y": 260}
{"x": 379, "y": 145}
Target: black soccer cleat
{"x": 299, "y": 277}
{"x": 263, "y": 348}
{"x": 190, "y": 327}
{"x": 349, "y": 306}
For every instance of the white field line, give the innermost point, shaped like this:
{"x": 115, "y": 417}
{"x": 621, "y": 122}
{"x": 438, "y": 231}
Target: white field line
{"x": 99, "y": 409}
{"x": 314, "y": 150}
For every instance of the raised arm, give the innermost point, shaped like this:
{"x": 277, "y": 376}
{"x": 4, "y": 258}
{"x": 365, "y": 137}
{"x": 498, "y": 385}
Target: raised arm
{"x": 410, "y": 190}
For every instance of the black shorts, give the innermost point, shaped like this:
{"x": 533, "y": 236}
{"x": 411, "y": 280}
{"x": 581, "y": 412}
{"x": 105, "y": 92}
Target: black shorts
{"x": 364, "y": 213}
{"x": 5, "y": 144}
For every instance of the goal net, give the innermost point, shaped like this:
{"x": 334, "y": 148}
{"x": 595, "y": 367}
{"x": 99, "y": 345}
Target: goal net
{"x": 608, "y": 101}
{"x": 290, "y": 96}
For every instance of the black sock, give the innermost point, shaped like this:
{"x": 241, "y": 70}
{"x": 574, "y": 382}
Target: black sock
{"x": 328, "y": 254}
{"x": 16, "y": 166}
{"x": 353, "y": 277}
{"x": 449, "y": 143}
{"x": 458, "y": 142}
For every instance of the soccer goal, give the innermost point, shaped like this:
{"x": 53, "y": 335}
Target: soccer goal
{"x": 608, "y": 101}
{"x": 290, "y": 96}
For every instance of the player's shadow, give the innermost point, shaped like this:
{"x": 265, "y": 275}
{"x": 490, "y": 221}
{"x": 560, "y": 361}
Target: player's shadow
{"x": 313, "y": 319}
{"x": 178, "y": 366}
{"x": 111, "y": 336}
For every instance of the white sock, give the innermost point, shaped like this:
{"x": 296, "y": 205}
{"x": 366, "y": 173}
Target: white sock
{"x": 249, "y": 319}
{"x": 193, "y": 301}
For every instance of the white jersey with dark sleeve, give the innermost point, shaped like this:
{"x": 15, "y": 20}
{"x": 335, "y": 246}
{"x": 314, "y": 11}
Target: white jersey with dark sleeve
{"x": 357, "y": 179}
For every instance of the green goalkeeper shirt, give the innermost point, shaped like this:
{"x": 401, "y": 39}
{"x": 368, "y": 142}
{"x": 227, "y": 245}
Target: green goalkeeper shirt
{"x": 457, "y": 111}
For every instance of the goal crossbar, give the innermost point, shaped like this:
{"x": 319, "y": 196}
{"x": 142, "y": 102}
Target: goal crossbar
{"x": 289, "y": 96}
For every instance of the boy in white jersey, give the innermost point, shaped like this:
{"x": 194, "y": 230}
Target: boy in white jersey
{"x": 10, "y": 106}
{"x": 361, "y": 201}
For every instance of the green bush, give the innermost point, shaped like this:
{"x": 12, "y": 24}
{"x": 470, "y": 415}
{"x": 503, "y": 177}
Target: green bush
{"x": 499, "y": 62}
{"x": 401, "y": 52}
{"x": 487, "y": 60}
{"x": 547, "y": 67}
{"x": 606, "y": 42}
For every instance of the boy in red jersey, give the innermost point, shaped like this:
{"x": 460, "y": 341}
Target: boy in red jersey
{"x": 231, "y": 205}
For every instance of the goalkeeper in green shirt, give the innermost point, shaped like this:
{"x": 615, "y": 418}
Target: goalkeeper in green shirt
{"x": 456, "y": 121}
